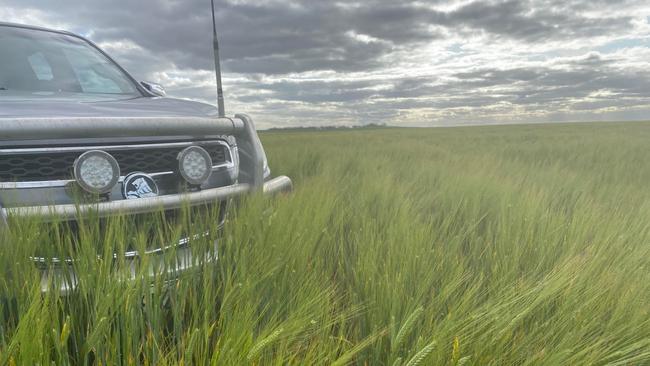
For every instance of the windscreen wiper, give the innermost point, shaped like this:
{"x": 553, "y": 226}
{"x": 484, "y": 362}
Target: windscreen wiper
{"x": 3, "y": 88}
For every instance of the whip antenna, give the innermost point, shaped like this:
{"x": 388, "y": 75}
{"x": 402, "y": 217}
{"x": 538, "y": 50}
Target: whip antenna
{"x": 217, "y": 64}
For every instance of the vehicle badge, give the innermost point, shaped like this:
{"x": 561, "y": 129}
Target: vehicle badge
{"x": 139, "y": 185}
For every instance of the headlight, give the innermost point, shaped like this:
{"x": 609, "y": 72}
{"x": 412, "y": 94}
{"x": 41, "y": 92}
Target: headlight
{"x": 195, "y": 165}
{"x": 96, "y": 171}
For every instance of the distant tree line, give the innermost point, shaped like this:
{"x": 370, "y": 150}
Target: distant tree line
{"x": 326, "y": 128}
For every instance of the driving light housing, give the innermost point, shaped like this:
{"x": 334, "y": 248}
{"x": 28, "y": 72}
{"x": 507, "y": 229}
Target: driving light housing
{"x": 96, "y": 171}
{"x": 195, "y": 165}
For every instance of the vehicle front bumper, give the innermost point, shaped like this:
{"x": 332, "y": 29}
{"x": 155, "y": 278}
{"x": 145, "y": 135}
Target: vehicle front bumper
{"x": 184, "y": 260}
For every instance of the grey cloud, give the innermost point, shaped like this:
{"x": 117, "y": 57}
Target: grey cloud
{"x": 316, "y": 91}
{"x": 275, "y": 38}
{"x": 523, "y": 20}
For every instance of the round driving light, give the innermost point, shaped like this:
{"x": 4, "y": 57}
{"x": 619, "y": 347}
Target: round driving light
{"x": 195, "y": 165}
{"x": 96, "y": 171}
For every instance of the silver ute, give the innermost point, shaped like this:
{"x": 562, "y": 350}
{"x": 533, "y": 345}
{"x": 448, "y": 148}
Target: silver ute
{"x": 71, "y": 117}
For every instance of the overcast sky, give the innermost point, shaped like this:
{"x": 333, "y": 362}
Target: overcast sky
{"x": 419, "y": 63}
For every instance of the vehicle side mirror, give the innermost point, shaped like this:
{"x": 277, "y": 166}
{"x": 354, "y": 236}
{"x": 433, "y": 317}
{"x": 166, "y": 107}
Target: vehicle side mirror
{"x": 153, "y": 88}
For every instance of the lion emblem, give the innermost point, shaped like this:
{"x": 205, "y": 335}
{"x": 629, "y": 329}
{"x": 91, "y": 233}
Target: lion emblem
{"x": 142, "y": 189}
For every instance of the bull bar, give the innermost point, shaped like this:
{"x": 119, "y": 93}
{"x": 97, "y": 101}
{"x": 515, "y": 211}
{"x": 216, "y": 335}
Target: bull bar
{"x": 252, "y": 161}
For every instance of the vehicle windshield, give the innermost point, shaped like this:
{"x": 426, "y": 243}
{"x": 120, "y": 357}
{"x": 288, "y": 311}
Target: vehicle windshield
{"x": 50, "y": 63}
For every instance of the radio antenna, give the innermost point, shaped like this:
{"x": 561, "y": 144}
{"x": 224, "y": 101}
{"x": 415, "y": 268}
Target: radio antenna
{"x": 217, "y": 64}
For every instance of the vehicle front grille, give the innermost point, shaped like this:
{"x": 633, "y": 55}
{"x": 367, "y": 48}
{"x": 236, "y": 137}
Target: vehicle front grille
{"x": 40, "y": 166}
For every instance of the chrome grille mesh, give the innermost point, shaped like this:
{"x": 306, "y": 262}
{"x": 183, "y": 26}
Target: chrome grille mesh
{"x": 58, "y": 165}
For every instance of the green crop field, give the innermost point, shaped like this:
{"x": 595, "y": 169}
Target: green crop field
{"x": 451, "y": 246}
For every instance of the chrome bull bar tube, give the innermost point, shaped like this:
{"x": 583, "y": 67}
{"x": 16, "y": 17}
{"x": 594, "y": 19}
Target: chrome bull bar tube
{"x": 3, "y": 216}
{"x": 142, "y": 205}
{"x": 3, "y": 221}
{"x": 281, "y": 184}
{"x": 252, "y": 156}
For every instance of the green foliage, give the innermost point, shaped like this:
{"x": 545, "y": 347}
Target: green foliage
{"x": 449, "y": 246}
